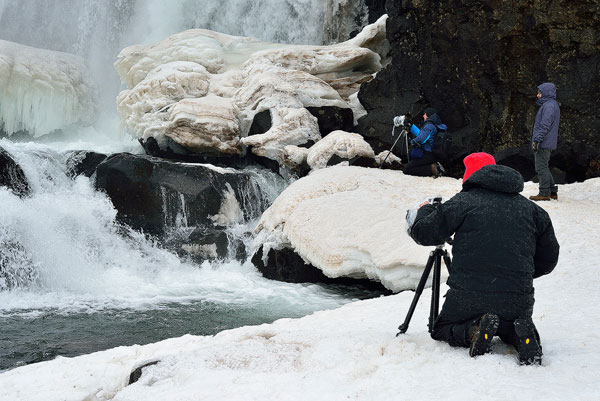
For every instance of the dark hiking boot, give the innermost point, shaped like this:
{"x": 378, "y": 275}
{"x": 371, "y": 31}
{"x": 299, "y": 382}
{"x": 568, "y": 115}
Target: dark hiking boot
{"x": 482, "y": 335}
{"x": 554, "y": 196}
{"x": 530, "y": 350}
{"x": 541, "y": 197}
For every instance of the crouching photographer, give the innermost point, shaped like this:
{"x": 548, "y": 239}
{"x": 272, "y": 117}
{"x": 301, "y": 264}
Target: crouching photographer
{"x": 502, "y": 241}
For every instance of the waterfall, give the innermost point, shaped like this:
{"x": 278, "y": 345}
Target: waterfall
{"x": 65, "y": 237}
{"x": 98, "y": 29}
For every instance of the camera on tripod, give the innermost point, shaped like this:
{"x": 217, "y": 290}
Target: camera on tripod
{"x": 433, "y": 262}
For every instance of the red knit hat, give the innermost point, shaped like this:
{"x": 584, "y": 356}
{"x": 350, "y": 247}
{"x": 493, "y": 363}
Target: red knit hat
{"x": 475, "y": 161}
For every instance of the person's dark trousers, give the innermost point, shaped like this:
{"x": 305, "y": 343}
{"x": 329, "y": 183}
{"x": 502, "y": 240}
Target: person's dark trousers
{"x": 420, "y": 167}
{"x": 547, "y": 185}
{"x": 462, "y": 309}
{"x": 458, "y": 334}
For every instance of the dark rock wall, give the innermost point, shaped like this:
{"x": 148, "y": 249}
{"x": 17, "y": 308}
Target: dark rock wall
{"x": 479, "y": 63}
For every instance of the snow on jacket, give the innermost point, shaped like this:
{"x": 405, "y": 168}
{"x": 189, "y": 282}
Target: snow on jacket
{"x": 545, "y": 127}
{"x": 425, "y": 137}
{"x": 502, "y": 241}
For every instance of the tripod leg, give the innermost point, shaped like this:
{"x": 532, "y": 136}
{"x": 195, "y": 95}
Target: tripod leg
{"x": 448, "y": 261}
{"x": 404, "y": 326}
{"x": 435, "y": 289}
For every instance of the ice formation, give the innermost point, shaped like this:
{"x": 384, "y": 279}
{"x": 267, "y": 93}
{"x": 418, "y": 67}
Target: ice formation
{"x": 202, "y": 89}
{"x": 349, "y": 222}
{"x": 43, "y": 91}
{"x": 346, "y": 145}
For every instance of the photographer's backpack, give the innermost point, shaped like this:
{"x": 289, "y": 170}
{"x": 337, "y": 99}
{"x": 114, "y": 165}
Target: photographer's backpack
{"x": 442, "y": 145}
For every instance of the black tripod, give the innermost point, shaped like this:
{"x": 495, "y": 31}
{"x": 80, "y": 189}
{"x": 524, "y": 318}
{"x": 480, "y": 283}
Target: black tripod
{"x": 435, "y": 261}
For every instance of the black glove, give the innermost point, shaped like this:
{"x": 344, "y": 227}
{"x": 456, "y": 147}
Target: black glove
{"x": 408, "y": 123}
{"x": 535, "y": 146}
{"x": 415, "y": 143}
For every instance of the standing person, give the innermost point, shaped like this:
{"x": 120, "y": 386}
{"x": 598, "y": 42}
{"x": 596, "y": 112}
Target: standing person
{"x": 543, "y": 140}
{"x": 502, "y": 241}
{"x": 422, "y": 161}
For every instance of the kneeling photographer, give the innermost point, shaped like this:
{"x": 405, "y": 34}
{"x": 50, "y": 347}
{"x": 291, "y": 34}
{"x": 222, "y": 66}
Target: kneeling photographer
{"x": 502, "y": 241}
{"x": 422, "y": 161}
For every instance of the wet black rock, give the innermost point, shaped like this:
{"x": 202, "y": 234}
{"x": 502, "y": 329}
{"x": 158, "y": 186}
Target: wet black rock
{"x": 286, "y": 265}
{"x": 12, "y": 175}
{"x": 83, "y": 162}
{"x": 154, "y": 195}
{"x": 212, "y": 243}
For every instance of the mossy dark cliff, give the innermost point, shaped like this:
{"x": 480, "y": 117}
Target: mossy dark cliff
{"x": 479, "y": 63}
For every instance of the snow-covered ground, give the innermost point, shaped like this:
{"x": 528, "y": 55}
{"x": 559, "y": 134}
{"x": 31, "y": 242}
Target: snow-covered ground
{"x": 352, "y": 353}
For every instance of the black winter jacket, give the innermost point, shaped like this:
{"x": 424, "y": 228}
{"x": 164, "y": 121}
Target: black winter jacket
{"x": 502, "y": 241}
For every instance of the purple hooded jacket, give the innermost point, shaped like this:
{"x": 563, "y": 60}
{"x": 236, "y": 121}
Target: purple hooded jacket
{"x": 545, "y": 127}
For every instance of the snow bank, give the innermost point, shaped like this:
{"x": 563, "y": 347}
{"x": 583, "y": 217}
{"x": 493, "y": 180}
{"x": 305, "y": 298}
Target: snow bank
{"x": 349, "y": 221}
{"x": 352, "y": 353}
{"x": 253, "y": 76}
{"x": 43, "y": 90}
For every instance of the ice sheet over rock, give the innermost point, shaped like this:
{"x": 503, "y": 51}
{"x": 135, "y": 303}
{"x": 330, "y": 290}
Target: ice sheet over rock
{"x": 349, "y": 222}
{"x": 346, "y": 145}
{"x": 43, "y": 90}
{"x": 205, "y": 124}
{"x": 143, "y": 109}
{"x": 291, "y": 126}
{"x": 256, "y": 76}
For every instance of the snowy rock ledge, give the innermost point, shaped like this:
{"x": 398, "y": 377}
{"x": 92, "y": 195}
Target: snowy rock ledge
{"x": 201, "y": 90}
{"x": 43, "y": 91}
{"x": 350, "y": 222}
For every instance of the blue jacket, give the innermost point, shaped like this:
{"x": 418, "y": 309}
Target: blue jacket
{"x": 545, "y": 127}
{"x": 425, "y": 137}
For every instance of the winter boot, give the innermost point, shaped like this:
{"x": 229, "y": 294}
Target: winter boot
{"x": 482, "y": 334}
{"x": 530, "y": 350}
{"x": 554, "y": 196}
{"x": 541, "y": 197}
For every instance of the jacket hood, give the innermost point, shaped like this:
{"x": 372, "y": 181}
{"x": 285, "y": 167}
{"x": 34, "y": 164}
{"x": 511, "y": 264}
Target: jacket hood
{"x": 548, "y": 90}
{"x": 435, "y": 120}
{"x": 496, "y": 178}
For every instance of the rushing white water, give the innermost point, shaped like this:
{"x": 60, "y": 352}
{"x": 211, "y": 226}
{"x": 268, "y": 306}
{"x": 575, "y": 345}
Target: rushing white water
{"x": 75, "y": 257}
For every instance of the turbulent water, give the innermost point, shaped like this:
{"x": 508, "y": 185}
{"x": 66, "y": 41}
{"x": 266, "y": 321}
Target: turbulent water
{"x": 86, "y": 283}
{"x": 72, "y": 279}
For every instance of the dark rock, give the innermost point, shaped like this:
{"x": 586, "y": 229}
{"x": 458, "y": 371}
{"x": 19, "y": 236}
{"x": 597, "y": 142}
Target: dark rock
{"x": 12, "y": 175}
{"x": 210, "y": 243}
{"x": 286, "y": 265}
{"x": 152, "y": 194}
{"x": 567, "y": 164}
{"x": 83, "y": 162}
{"x": 479, "y": 66}
{"x": 331, "y": 118}
{"x": 176, "y": 152}
{"x": 359, "y": 161}
{"x": 521, "y": 159}
{"x": 137, "y": 372}
{"x": 376, "y": 9}
{"x": 261, "y": 123}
